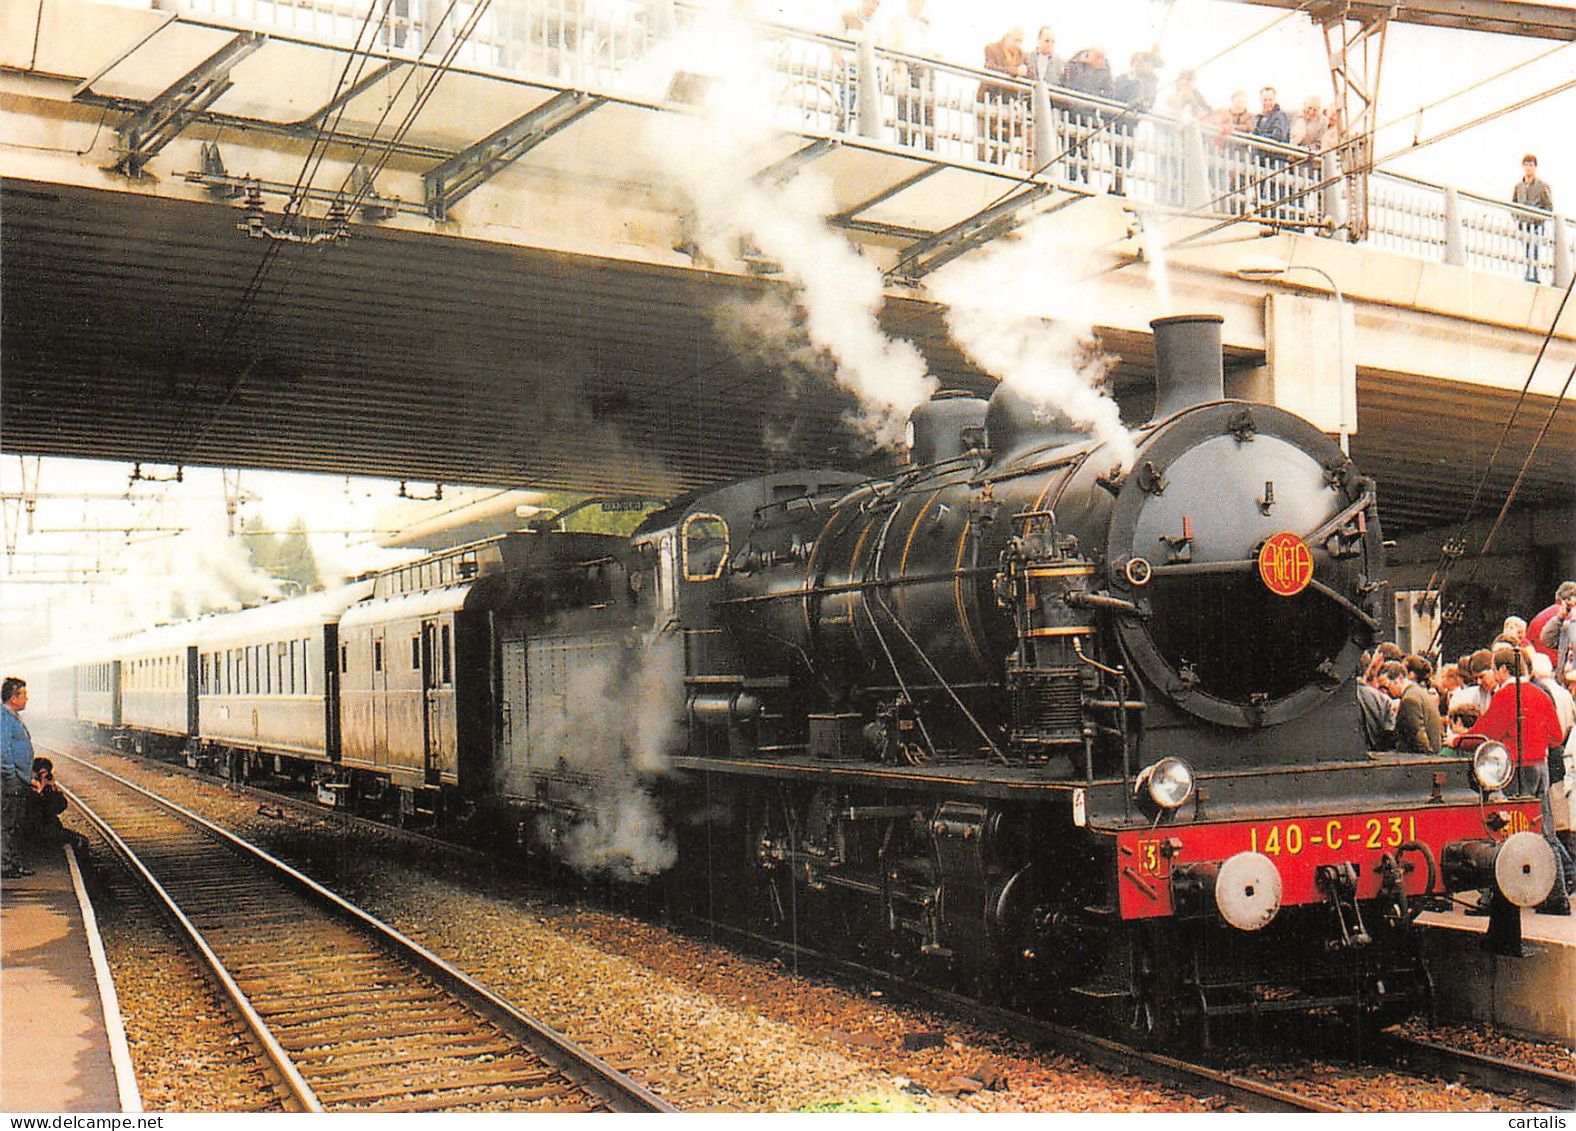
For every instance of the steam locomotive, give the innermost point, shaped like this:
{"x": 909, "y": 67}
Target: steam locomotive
{"x": 1087, "y": 734}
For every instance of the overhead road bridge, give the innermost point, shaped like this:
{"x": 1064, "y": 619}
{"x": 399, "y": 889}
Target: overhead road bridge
{"x": 462, "y": 244}
{"x": 1501, "y": 17}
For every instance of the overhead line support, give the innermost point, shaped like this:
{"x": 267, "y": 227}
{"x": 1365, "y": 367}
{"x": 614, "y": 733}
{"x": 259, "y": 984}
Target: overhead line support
{"x": 927, "y": 255}
{"x": 449, "y": 183}
{"x": 320, "y": 116}
{"x": 781, "y": 172}
{"x": 163, "y": 119}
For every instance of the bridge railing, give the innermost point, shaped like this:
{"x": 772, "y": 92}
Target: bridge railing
{"x": 829, "y": 86}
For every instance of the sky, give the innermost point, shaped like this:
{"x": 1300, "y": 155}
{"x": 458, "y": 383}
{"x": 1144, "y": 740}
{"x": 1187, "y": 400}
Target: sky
{"x": 142, "y": 549}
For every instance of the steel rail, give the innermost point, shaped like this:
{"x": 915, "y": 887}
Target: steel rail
{"x": 300, "y": 1092}
{"x": 313, "y": 808}
{"x": 1195, "y": 1079}
{"x": 1491, "y": 1073}
{"x": 577, "y": 1064}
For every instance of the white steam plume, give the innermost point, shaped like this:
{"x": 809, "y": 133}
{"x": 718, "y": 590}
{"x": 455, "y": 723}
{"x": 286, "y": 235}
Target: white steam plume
{"x": 1014, "y": 307}
{"x": 198, "y": 571}
{"x": 618, "y": 725}
{"x": 714, "y": 156}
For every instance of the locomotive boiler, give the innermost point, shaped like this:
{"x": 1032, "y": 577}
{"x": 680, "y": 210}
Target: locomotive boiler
{"x": 1086, "y": 729}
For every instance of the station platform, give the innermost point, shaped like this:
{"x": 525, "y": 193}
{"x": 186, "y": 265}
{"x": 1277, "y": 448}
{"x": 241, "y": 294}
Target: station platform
{"x": 64, "y": 1048}
{"x": 1531, "y": 994}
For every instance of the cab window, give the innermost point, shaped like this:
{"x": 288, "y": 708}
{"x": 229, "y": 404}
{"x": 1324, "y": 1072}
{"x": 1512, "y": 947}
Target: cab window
{"x": 705, "y": 541}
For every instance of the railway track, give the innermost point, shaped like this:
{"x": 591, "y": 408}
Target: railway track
{"x": 1187, "y": 1076}
{"x": 1539, "y": 1085}
{"x": 1525, "y": 1082}
{"x": 352, "y": 1015}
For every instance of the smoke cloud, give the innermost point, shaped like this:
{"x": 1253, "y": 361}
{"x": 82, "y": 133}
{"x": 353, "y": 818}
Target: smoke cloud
{"x": 715, "y": 158}
{"x": 618, "y": 723}
{"x": 1014, "y": 307}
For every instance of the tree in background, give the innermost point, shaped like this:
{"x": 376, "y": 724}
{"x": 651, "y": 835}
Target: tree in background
{"x": 287, "y": 558}
{"x": 612, "y": 517}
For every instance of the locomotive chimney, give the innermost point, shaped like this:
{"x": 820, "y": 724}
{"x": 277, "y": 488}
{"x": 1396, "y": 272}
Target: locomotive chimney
{"x": 951, "y": 423}
{"x": 1188, "y": 366}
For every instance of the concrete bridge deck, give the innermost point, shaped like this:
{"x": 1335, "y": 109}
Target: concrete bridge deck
{"x": 552, "y": 259}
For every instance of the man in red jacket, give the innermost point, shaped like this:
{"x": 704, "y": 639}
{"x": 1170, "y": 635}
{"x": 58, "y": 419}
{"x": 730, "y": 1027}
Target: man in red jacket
{"x": 1521, "y": 716}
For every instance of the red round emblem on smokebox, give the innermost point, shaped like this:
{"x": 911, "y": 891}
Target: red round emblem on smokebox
{"x": 1285, "y": 564}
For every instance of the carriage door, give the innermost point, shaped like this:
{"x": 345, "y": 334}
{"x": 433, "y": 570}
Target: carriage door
{"x": 432, "y": 728}
{"x": 380, "y": 698}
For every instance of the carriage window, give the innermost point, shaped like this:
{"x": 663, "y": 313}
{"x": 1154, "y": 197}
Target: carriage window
{"x": 377, "y": 655}
{"x": 344, "y": 658}
{"x": 705, "y": 547}
{"x": 415, "y": 652}
{"x": 448, "y": 669}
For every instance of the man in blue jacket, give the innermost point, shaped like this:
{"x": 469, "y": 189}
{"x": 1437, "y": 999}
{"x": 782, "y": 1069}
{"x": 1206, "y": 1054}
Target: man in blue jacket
{"x": 16, "y": 774}
{"x": 1272, "y": 125}
{"x": 1272, "y": 122}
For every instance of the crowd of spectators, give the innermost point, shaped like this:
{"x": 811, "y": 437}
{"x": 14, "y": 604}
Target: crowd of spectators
{"x": 1097, "y": 110}
{"x": 1088, "y": 71}
{"x": 1517, "y": 691}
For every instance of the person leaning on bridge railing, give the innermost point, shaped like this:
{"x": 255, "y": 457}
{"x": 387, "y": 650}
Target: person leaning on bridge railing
{"x": 1532, "y": 193}
{"x": 1046, "y": 66}
{"x": 1310, "y": 128}
{"x": 1136, "y": 90}
{"x": 1088, "y": 72}
{"x": 1272, "y": 125}
{"x": 1228, "y": 126}
{"x": 1186, "y": 103}
{"x": 1003, "y": 106}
